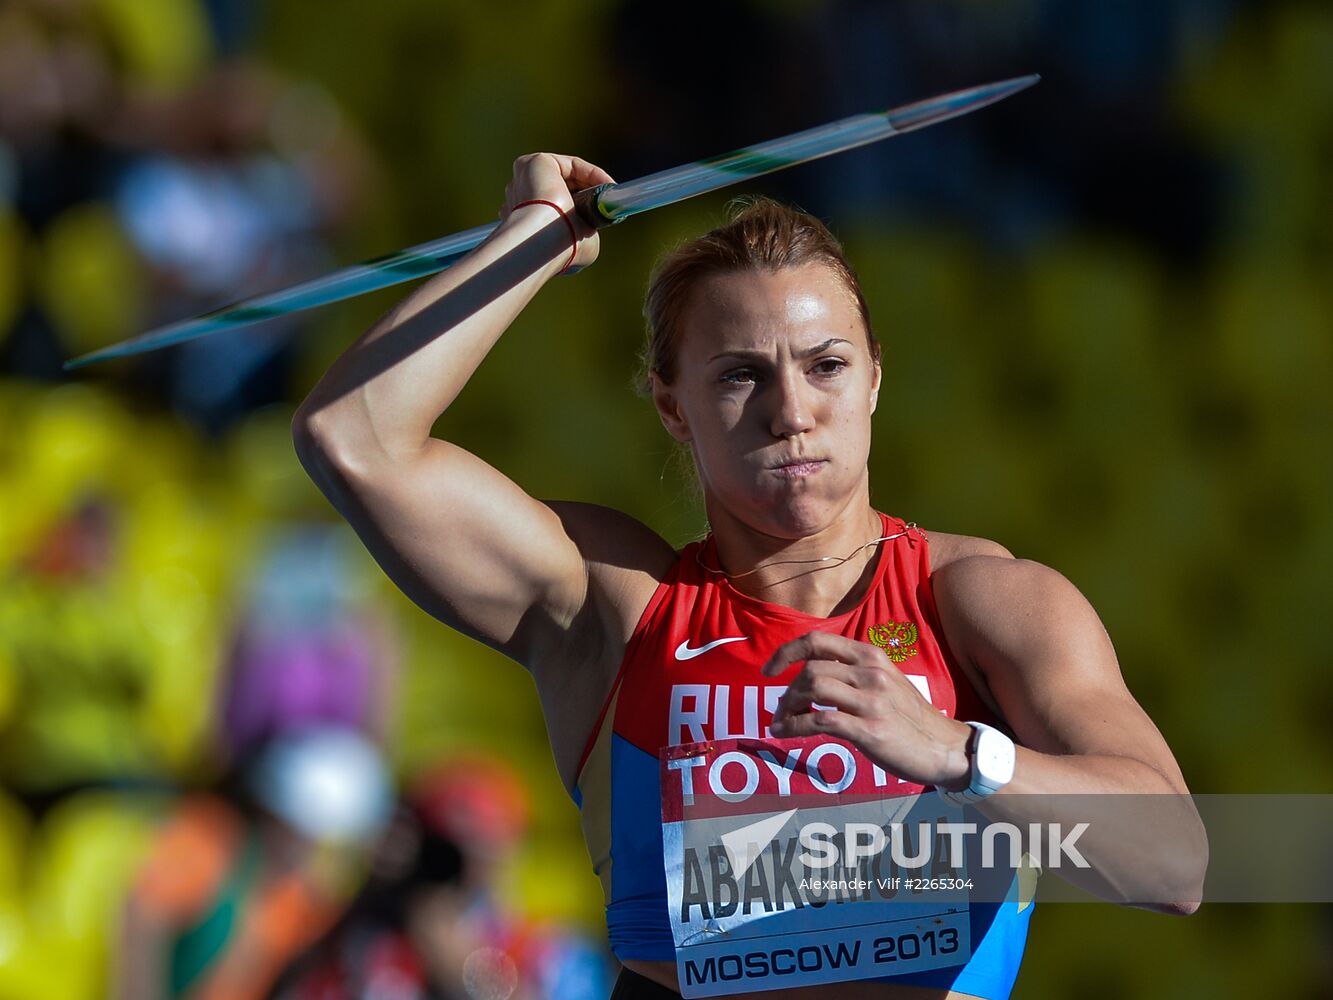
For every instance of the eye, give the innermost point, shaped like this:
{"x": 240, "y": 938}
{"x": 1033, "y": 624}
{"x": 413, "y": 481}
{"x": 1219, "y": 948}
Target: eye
{"x": 738, "y": 376}
{"x": 829, "y": 367}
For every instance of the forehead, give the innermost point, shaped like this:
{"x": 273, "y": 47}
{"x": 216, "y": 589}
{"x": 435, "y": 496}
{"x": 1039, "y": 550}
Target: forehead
{"x": 754, "y": 307}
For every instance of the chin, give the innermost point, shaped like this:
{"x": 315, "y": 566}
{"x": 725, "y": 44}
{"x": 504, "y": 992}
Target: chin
{"x": 786, "y": 516}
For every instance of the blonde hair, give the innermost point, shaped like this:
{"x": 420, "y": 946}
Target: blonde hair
{"x": 762, "y": 234}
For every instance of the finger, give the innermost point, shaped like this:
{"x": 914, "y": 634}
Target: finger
{"x": 541, "y": 172}
{"x": 579, "y": 173}
{"x": 822, "y": 645}
{"x": 589, "y": 174}
{"x": 822, "y": 694}
{"x": 522, "y": 163}
{"x": 814, "y": 669}
{"x": 841, "y": 724}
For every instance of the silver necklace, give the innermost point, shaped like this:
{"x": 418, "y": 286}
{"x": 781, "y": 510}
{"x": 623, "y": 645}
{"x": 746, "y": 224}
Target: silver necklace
{"x": 839, "y": 560}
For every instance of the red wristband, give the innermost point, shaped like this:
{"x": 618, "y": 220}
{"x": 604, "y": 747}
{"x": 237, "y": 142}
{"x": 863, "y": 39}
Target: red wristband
{"x": 573, "y": 236}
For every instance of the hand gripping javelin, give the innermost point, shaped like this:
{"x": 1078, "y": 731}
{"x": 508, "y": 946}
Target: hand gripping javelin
{"x": 600, "y": 206}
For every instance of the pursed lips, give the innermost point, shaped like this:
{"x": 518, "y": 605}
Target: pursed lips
{"x": 798, "y": 468}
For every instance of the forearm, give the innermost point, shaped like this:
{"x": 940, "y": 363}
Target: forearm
{"x": 1089, "y": 754}
{"x": 1083, "y": 774}
{"x": 383, "y": 394}
{"x": 1144, "y": 843}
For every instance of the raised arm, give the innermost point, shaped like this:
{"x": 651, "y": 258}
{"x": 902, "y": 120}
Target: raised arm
{"x": 457, "y": 536}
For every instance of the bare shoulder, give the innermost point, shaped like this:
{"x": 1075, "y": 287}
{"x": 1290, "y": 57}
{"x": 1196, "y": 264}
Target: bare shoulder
{"x": 946, "y": 549}
{"x": 976, "y": 576}
{"x": 995, "y": 607}
{"x": 625, "y": 559}
{"x": 1005, "y": 614}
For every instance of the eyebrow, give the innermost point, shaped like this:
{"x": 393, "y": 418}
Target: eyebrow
{"x": 809, "y": 352}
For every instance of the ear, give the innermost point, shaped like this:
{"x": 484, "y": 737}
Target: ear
{"x": 669, "y": 410}
{"x": 874, "y": 387}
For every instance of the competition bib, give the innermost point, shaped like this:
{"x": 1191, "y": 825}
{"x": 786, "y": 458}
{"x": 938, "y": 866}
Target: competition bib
{"x": 792, "y": 862}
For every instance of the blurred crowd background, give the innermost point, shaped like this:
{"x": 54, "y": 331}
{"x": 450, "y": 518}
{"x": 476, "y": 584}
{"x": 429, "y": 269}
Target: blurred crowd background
{"x": 235, "y": 762}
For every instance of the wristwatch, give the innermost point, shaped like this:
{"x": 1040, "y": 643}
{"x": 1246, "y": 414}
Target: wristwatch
{"x": 991, "y": 754}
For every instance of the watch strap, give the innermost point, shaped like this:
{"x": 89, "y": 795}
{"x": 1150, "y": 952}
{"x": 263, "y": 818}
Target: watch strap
{"x": 979, "y": 786}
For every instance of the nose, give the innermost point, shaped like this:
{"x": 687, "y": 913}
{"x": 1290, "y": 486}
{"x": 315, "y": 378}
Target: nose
{"x": 792, "y": 411}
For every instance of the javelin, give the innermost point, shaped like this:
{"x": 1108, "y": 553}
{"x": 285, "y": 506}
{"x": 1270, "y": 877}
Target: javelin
{"x": 600, "y": 206}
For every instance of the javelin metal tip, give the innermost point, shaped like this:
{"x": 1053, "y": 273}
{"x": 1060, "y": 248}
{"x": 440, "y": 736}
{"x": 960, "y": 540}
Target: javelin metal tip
{"x": 1004, "y": 88}
{"x": 960, "y": 102}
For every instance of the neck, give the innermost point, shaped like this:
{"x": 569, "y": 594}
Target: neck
{"x": 821, "y": 574}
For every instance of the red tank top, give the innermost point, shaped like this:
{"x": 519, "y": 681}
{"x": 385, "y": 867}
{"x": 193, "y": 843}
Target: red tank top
{"x": 691, "y": 674}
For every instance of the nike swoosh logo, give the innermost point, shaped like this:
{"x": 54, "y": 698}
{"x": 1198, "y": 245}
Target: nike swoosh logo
{"x": 684, "y": 652}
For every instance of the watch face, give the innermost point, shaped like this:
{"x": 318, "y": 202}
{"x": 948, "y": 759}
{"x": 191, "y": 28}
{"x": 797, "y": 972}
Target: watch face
{"x": 993, "y": 759}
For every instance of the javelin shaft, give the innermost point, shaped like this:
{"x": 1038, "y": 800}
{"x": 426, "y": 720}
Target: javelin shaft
{"x": 619, "y": 201}
{"x": 348, "y": 282}
{"x": 601, "y": 206}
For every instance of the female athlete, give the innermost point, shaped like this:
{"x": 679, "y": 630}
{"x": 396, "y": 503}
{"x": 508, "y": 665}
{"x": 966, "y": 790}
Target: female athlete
{"x": 803, "y": 597}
